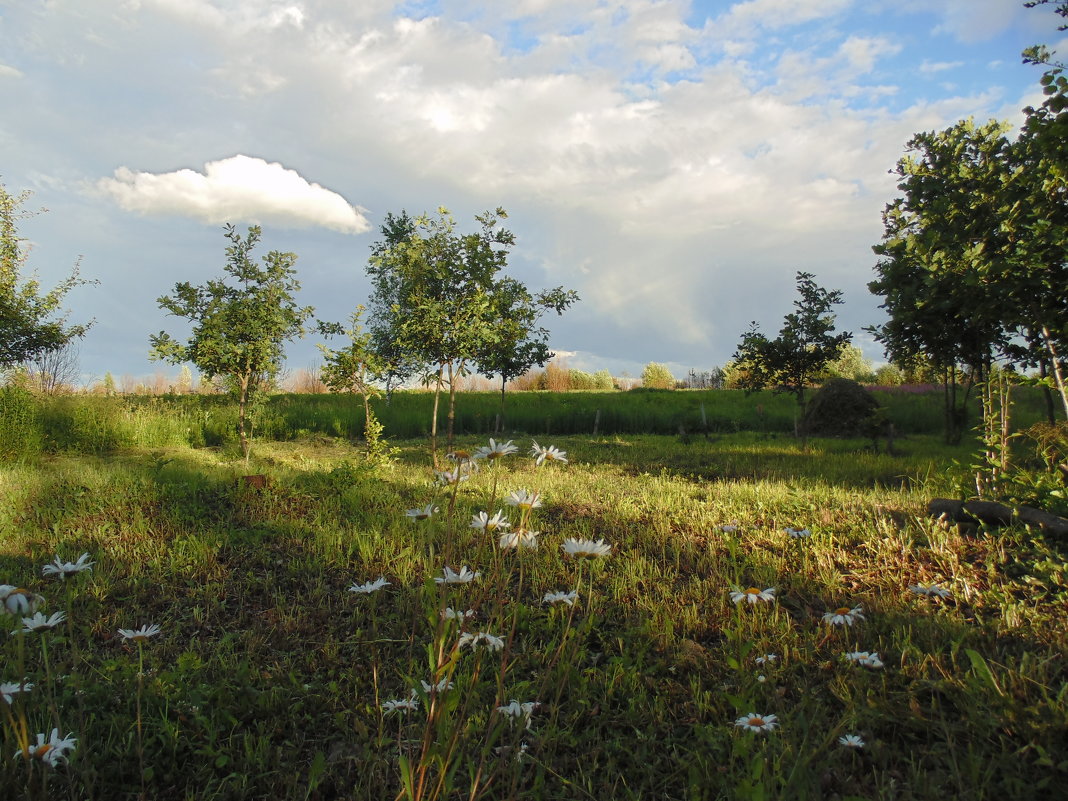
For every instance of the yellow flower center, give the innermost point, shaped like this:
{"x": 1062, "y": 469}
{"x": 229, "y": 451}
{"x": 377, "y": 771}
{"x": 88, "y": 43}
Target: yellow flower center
{"x": 752, "y": 591}
{"x": 756, "y": 721}
{"x": 461, "y": 455}
{"x": 842, "y": 610}
{"x": 42, "y": 750}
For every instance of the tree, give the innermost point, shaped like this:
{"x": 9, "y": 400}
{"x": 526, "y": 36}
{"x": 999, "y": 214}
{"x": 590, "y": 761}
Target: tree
{"x": 238, "y": 331}
{"x": 657, "y": 376}
{"x": 55, "y": 371}
{"x": 805, "y": 345}
{"x": 31, "y": 322}
{"x": 851, "y": 363}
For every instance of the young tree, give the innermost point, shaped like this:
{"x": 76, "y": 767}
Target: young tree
{"x": 805, "y": 345}
{"x": 31, "y": 322}
{"x": 657, "y": 376}
{"x": 238, "y": 330}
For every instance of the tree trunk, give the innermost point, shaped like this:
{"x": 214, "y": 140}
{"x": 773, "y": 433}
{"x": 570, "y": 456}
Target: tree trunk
{"x": 995, "y": 514}
{"x": 242, "y": 408}
{"x": 452, "y": 400}
{"x": 1055, "y": 364}
{"x": 504, "y": 382}
{"x": 434, "y": 420}
{"x": 1047, "y": 393}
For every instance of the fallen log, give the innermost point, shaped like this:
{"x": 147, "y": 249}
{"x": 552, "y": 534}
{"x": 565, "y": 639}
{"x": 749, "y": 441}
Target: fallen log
{"x": 995, "y": 514}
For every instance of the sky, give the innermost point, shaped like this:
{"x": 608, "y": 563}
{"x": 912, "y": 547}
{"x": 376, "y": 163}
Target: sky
{"x": 674, "y": 162}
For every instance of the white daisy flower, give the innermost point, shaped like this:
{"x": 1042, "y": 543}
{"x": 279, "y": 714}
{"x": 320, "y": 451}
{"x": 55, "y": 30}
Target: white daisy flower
{"x": 560, "y": 597}
{"x": 767, "y": 659}
{"x": 405, "y": 705}
{"x": 448, "y": 613}
{"x": 519, "y": 539}
{"x": 370, "y": 586}
{"x": 18, "y": 600}
{"x": 450, "y": 576}
{"x": 481, "y": 639}
{"x": 448, "y": 478}
{"x": 729, "y": 528}
{"x": 865, "y": 659}
{"x": 547, "y": 454}
{"x": 755, "y": 722}
{"x": 587, "y": 548}
{"x": 141, "y": 634}
{"x": 8, "y": 689}
{"x": 752, "y": 595}
{"x": 441, "y": 687}
{"x": 929, "y": 589}
{"x": 459, "y": 455}
{"x": 422, "y": 514}
{"x": 851, "y": 741}
{"x": 523, "y": 500}
{"x": 64, "y": 569}
{"x": 53, "y": 752}
{"x": 483, "y": 521}
{"x": 41, "y": 623}
{"x": 495, "y": 450}
{"x": 517, "y": 712}
{"x": 798, "y": 533}
{"x": 844, "y": 616}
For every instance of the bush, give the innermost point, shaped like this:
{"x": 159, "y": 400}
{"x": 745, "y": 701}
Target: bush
{"x": 841, "y": 408}
{"x": 657, "y": 376}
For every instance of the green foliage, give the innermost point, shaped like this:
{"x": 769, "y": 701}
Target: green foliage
{"x": 657, "y": 376}
{"x": 20, "y": 423}
{"x": 841, "y": 408}
{"x": 852, "y": 364}
{"x": 238, "y": 330}
{"x": 31, "y": 322}
{"x": 801, "y": 352}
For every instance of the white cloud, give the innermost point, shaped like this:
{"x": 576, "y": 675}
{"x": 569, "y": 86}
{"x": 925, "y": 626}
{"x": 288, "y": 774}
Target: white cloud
{"x": 237, "y": 188}
{"x": 754, "y": 15}
{"x": 932, "y": 67}
{"x": 9, "y": 72}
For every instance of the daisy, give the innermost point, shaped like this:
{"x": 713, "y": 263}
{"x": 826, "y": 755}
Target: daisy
{"x": 587, "y": 548}
{"x": 442, "y": 686}
{"x": 484, "y": 521}
{"x": 141, "y": 634}
{"x": 401, "y": 705}
{"x": 370, "y": 586}
{"x": 448, "y": 478}
{"x": 752, "y": 595}
{"x": 19, "y": 601}
{"x": 519, "y": 539}
{"x": 767, "y": 659}
{"x": 481, "y": 638}
{"x": 495, "y": 450}
{"x": 459, "y": 455}
{"x": 929, "y": 589}
{"x": 448, "y": 613}
{"x": 844, "y": 616}
{"x": 851, "y": 741}
{"x": 547, "y": 454}
{"x": 755, "y": 722}
{"x": 40, "y": 623}
{"x": 524, "y": 500}
{"x": 8, "y": 689}
{"x": 465, "y": 576}
{"x": 53, "y": 752}
{"x": 422, "y": 514}
{"x": 560, "y": 597}
{"x": 798, "y": 533}
{"x": 64, "y": 569}
{"x": 729, "y": 528}
{"x": 517, "y": 712}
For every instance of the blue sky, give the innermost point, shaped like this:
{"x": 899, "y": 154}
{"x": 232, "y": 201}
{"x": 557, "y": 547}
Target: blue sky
{"x": 675, "y": 162}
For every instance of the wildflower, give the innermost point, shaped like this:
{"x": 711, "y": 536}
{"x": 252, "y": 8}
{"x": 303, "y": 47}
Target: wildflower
{"x": 547, "y": 454}
{"x": 442, "y": 686}
{"x": 8, "y": 689}
{"x": 422, "y": 514}
{"x": 410, "y": 704}
{"x": 465, "y": 576}
{"x": 929, "y": 589}
{"x": 141, "y": 634}
{"x": 865, "y": 659}
{"x": 519, "y": 539}
{"x": 370, "y": 586}
{"x": 752, "y": 595}
{"x": 53, "y": 752}
{"x": 40, "y": 623}
{"x": 505, "y": 750}
{"x": 844, "y": 616}
{"x": 767, "y": 659}
{"x": 448, "y": 478}
{"x": 755, "y": 722}
{"x": 481, "y": 639}
{"x": 19, "y": 601}
{"x": 459, "y": 455}
{"x": 495, "y": 450}
{"x": 484, "y": 521}
{"x": 524, "y": 500}
{"x": 729, "y": 528}
{"x": 448, "y": 613}
{"x": 560, "y": 597}
{"x": 64, "y": 569}
{"x": 587, "y": 548}
{"x": 851, "y": 741}
{"x": 798, "y": 533}
{"x": 517, "y": 711}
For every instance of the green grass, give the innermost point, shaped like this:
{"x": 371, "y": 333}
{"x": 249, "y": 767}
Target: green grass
{"x": 269, "y": 675}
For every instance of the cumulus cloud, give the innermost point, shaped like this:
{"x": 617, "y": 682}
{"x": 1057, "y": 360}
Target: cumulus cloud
{"x": 9, "y": 72}
{"x": 237, "y": 188}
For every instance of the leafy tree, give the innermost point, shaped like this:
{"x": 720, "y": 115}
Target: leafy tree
{"x": 31, "y": 322}
{"x": 657, "y": 376}
{"x": 852, "y": 364}
{"x": 803, "y": 349}
{"x": 238, "y": 330}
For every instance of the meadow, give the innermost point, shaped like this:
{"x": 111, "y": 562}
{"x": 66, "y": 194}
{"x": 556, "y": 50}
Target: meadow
{"x": 668, "y": 638}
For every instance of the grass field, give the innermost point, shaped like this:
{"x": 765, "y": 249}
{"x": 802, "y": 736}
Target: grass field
{"x": 271, "y": 679}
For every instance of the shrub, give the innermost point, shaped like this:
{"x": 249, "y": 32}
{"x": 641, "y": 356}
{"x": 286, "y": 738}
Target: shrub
{"x": 841, "y": 408}
{"x": 657, "y": 376}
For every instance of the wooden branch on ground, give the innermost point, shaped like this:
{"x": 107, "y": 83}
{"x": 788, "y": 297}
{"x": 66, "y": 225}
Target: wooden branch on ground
{"x": 995, "y": 514}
